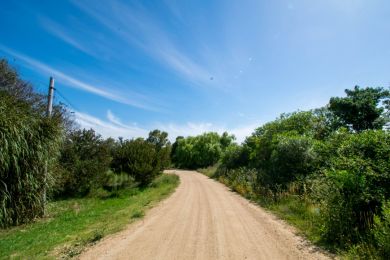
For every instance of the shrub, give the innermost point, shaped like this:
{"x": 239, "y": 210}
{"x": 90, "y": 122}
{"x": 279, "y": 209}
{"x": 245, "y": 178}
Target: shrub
{"x": 241, "y": 180}
{"x": 117, "y": 181}
{"x": 83, "y": 164}
{"x": 234, "y": 156}
{"x": 344, "y": 217}
{"x": 292, "y": 158}
{"x": 162, "y": 146}
{"x": 139, "y": 159}
{"x": 381, "y": 231}
{"x": 28, "y": 142}
{"x": 355, "y": 185}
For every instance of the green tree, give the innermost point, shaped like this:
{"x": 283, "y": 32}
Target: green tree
{"x": 200, "y": 151}
{"x": 226, "y": 140}
{"x": 158, "y": 138}
{"x": 163, "y": 147}
{"x": 139, "y": 159}
{"x": 84, "y": 161}
{"x": 360, "y": 108}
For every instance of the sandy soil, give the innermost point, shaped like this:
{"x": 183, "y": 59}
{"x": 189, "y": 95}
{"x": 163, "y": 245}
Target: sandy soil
{"x": 204, "y": 220}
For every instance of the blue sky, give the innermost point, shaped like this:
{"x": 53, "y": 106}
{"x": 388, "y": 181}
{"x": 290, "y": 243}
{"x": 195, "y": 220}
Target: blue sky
{"x": 127, "y": 67}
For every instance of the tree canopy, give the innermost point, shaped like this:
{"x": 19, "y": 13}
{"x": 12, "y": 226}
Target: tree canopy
{"x": 361, "y": 108}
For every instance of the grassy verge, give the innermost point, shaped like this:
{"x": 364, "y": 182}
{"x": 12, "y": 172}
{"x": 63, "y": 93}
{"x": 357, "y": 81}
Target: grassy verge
{"x": 306, "y": 217}
{"x": 75, "y": 223}
{"x": 209, "y": 171}
{"x": 301, "y": 214}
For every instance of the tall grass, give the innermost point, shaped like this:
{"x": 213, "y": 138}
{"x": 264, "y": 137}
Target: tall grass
{"x": 27, "y": 141}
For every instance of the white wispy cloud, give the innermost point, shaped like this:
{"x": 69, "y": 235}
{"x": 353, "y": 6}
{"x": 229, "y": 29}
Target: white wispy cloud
{"x": 113, "y": 127}
{"x": 76, "y": 83}
{"x": 109, "y": 128}
{"x": 65, "y": 35}
{"x": 141, "y": 30}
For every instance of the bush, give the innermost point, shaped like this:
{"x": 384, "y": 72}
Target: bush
{"x": 381, "y": 231}
{"x": 345, "y": 174}
{"x": 292, "y": 158}
{"x": 83, "y": 164}
{"x": 344, "y": 217}
{"x": 283, "y": 150}
{"x": 117, "y": 181}
{"x": 162, "y": 146}
{"x": 28, "y": 142}
{"x": 241, "y": 180}
{"x": 234, "y": 156}
{"x": 139, "y": 159}
{"x": 355, "y": 185}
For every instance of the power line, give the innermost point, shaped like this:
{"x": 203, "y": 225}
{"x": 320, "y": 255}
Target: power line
{"x": 38, "y": 84}
{"x": 66, "y": 100}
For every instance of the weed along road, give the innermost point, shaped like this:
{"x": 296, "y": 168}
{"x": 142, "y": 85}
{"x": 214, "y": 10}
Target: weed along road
{"x": 204, "y": 220}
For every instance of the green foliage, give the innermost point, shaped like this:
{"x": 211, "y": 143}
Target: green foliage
{"x": 360, "y": 108}
{"x": 209, "y": 171}
{"x": 234, "y": 156}
{"x": 200, "y": 151}
{"x": 283, "y": 150}
{"x": 241, "y": 180}
{"x": 83, "y": 164}
{"x": 77, "y": 222}
{"x": 162, "y": 146}
{"x": 292, "y": 157}
{"x": 355, "y": 185}
{"x": 164, "y": 180}
{"x": 139, "y": 159}
{"x": 28, "y": 142}
{"x": 381, "y": 231}
{"x": 314, "y": 158}
{"x": 143, "y": 159}
{"x": 345, "y": 213}
{"x": 117, "y": 181}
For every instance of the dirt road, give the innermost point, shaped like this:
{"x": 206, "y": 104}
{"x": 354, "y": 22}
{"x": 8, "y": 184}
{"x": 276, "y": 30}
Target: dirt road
{"x": 204, "y": 220}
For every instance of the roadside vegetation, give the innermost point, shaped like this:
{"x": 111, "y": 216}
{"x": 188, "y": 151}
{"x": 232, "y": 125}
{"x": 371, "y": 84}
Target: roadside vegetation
{"x": 73, "y": 224}
{"x": 326, "y": 171}
{"x": 60, "y": 184}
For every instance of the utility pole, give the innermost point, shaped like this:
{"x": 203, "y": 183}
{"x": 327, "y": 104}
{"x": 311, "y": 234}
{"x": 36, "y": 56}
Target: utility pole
{"x": 48, "y": 114}
{"x": 50, "y": 97}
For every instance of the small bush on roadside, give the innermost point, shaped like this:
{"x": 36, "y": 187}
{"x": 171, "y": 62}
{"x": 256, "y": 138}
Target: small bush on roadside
{"x": 164, "y": 179}
{"x": 381, "y": 231}
{"x": 83, "y": 164}
{"x": 116, "y": 181}
{"x": 143, "y": 159}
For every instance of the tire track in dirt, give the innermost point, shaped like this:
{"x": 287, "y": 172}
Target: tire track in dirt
{"x": 204, "y": 220}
